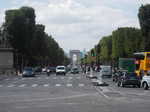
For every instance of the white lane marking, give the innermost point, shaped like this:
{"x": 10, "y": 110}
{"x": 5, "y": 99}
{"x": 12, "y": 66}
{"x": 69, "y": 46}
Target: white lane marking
{"x": 78, "y": 77}
{"x": 34, "y": 85}
{"x": 62, "y": 78}
{"x": 58, "y": 85}
{"x": 52, "y": 98}
{"x": 54, "y": 77}
{"x": 16, "y": 78}
{"x": 7, "y": 79}
{"x": 81, "y": 85}
{"x": 102, "y": 93}
{"x": 22, "y": 85}
{"x": 47, "y": 78}
{"x": 39, "y": 77}
{"x": 69, "y": 85}
{"x": 11, "y": 85}
{"x": 46, "y": 85}
{"x": 23, "y": 79}
{"x": 1, "y": 85}
{"x": 105, "y": 89}
{"x": 15, "y": 81}
{"x": 70, "y": 77}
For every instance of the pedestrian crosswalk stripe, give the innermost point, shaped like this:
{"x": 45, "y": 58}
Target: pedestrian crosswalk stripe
{"x": 46, "y": 85}
{"x": 58, "y": 85}
{"x": 22, "y": 85}
{"x": 78, "y": 77}
{"x": 69, "y": 85}
{"x": 1, "y": 85}
{"x": 62, "y": 78}
{"x": 54, "y": 78}
{"x": 70, "y": 77}
{"x": 12, "y": 85}
{"x": 7, "y": 79}
{"x": 47, "y": 78}
{"x": 34, "y": 85}
{"x": 81, "y": 85}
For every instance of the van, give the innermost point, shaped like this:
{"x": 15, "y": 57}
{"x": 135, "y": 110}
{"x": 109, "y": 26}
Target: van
{"x": 60, "y": 70}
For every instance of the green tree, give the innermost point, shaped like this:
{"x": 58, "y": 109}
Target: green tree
{"x": 126, "y": 41}
{"x": 106, "y": 48}
{"x": 144, "y": 19}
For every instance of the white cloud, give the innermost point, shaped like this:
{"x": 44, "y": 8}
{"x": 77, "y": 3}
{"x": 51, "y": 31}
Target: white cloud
{"x": 79, "y": 24}
{"x": 1, "y": 17}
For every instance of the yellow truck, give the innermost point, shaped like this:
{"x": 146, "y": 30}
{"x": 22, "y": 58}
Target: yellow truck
{"x": 142, "y": 63}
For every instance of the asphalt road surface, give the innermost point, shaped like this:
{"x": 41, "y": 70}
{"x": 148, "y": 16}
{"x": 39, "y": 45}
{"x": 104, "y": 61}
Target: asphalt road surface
{"x": 70, "y": 93}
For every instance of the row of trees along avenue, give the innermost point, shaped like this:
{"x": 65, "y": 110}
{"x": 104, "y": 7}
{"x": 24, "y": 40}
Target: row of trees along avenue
{"x": 31, "y": 44}
{"x": 123, "y": 42}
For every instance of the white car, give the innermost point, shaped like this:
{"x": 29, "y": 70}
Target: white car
{"x": 145, "y": 83}
{"x": 60, "y": 70}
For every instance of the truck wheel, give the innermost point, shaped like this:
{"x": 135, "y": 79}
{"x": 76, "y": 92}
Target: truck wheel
{"x": 145, "y": 86}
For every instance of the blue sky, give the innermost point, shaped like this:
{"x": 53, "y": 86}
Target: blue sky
{"x": 79, "y": 24}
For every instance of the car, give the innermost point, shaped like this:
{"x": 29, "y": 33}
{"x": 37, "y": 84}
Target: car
{"x": 74, "y": 70}
{"x": 105, "y": 71}
{"x": 91, "y": 76}
{"x": 129, "y": 78}
{"x": 44, "y": 69}
{"x": 28, "y": 72}
{"x": 60, "y": 70}
{"x": 50, "y": 70}
{"x": 145, "y": 83}
{"x": 37, "y": 70}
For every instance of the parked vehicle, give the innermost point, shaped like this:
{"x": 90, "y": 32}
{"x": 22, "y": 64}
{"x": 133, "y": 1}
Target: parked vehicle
{"x": 129, "y": 79}
{"x": 28, "y": 72}
{"x": 50, "y": 70}
{"x": 61, "y": 70}
{"x": 145, "y": 83}
{"x": 105, "y": 71}
{"x": 37, "y": 70}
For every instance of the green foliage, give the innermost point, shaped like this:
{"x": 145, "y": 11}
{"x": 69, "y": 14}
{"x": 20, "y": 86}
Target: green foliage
{"x": 30, "y": 40}
{"x": 144, "y": 19}
{"x": 106, "y": 48}
{"x": 122, "y": 43}
{"x": 126, "y": 41}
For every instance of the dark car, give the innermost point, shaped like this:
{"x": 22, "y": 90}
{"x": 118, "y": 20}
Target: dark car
{"x": 28, "y": 72}
{"x": 50, "y": 70}
{"x": 75, "y": 71}
{"x": 129, "y": 79}
{"x": 37, "y": 70}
